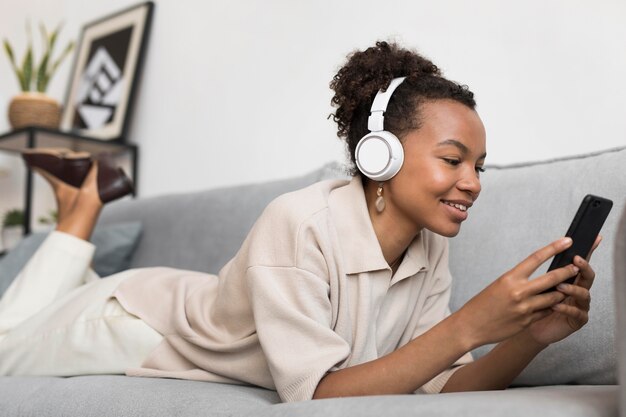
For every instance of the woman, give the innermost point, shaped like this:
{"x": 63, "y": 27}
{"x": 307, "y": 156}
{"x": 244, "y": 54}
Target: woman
{"x": 340, "y": 289}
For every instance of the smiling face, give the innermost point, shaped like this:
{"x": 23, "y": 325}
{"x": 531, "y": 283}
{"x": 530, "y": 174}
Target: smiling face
{"x": 442, "y": 163}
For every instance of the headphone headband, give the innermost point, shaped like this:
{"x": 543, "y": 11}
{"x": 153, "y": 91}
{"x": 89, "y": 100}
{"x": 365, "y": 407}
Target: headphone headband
{"x": 375, "y": 122}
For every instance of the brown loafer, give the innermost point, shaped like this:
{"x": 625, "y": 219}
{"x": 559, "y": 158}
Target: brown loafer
{"x": 112, "y": 181}
{"x": 71, "y": 168}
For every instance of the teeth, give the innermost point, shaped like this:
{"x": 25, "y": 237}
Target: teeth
{"x": 458, "y": 206}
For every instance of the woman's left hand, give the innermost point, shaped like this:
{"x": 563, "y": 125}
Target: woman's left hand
{"x": 572, "y": 313}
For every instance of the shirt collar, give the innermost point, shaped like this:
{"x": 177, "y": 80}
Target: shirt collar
{"x": 359, "y": 245}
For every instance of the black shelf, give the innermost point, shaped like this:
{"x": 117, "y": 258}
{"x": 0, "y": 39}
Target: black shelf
{"x": 38, "y": 137}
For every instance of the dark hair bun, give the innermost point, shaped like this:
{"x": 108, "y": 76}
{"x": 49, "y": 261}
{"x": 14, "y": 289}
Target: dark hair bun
{"x": 366, "y": 72}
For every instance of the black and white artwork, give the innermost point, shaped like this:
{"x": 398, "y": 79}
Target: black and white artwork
{"x": 105, "y": 74}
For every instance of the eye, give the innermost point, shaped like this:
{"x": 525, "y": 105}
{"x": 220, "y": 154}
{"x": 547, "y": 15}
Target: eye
{"x": 480, "y": 169}
{"x": 453, "y": 162}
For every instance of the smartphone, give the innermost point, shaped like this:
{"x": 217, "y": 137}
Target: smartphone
{"x": 584, "y": 230}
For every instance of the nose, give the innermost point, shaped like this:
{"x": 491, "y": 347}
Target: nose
{"x": 470, "y": 183}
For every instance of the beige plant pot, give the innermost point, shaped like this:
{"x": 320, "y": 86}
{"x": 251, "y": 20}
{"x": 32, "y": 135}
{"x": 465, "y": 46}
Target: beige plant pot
{"x": 34, "y": 109}
{"x": 11, "y": 236}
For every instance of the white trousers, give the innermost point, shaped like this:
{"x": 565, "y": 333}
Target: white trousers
{"x": 59, "y": 318}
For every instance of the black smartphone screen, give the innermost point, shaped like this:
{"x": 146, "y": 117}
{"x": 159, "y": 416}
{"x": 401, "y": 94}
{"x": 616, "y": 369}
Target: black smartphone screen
{"x": 584, "y": 230}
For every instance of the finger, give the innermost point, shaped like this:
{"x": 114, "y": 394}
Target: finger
{"x": 530, "y": 264}
{"x": 581, "y": 316}
{"x": 538, "y": 315}
{"x": 550, "y": 279}
{"x": 580, "y": 295}
{"x": 587, "y": 274}
{"x": 594, "y": 247}
{"x": 545, "y": 301}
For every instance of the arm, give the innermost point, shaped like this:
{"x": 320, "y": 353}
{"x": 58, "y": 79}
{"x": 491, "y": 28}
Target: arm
{"x": 497, "y": 369}
{"x": 402, "y": 371}
{"x": 501, "y": 312}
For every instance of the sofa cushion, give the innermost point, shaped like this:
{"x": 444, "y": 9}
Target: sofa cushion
{"x": 570, "y": 401}
{"x": 522, "y": 208}
{"x": 114, "y": 243}
{"x": 202, "y": 231}
{"x": 113, "y": 396}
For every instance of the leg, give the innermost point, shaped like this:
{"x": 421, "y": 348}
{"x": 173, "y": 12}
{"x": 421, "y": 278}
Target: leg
{"x": 62, "y": 262}
{"x": 82, "y": 214}
{"x": 86, "y": 332}
{"x": 65, "y": 327}
{"x": 64, "y": 194}
{"x": 59, "y": 266}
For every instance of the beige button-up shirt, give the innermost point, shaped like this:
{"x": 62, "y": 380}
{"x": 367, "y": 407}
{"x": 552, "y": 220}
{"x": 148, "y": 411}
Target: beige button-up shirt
{"x": 309, "y": 292}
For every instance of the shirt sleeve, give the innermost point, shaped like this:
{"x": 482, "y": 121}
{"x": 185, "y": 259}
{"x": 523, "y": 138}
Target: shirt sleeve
{"x": 436, "y": 309}
{"x": 292, "y": 313}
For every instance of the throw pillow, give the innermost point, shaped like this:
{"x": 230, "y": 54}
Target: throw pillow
{"x": 114, "y": 243}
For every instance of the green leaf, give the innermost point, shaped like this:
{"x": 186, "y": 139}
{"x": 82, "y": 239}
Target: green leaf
{"x": 53, "y": 38}
{"x": 27, "y": 69}
{"x": 20, "y": 79}
{"x": 44, "y": 35}
{"x": 9, "y": 51}
{"x": 42, "y": 74}
{"x": 11, "y": 55}
{"x": 46, "y": 81}
{"x": 40, "y": 79}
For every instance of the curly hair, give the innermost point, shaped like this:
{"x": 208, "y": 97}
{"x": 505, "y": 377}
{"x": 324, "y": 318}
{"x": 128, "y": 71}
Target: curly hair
{"x": 366, "y": 72}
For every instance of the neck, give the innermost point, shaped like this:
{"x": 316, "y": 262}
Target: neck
{"x": 394, "y": 232}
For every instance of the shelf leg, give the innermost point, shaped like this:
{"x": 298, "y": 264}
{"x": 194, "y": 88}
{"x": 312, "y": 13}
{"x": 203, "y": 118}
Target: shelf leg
{"x": 29, "y": 187}
{"x": 135, "y": 153}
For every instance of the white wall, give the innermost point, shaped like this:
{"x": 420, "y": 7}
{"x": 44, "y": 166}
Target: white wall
{"x": 237, "y": 91}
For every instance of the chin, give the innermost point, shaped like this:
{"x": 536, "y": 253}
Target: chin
{"x": 447, "y": 231}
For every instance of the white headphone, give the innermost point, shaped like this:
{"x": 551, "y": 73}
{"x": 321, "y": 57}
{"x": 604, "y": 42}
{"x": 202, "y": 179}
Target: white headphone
{"x": 379, "y": 154}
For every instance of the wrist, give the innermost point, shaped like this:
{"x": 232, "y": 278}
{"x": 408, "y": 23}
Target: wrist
{"x": 462, "y": 332}
{"x": 525, "y": 339}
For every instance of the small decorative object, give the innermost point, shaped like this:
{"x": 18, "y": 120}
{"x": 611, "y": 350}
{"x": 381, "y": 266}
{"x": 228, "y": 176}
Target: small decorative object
{"x": 12, "y": 228}
{"x": 108, "y": 62}
{"x": 33, "y": 107}
{"x": 50, "y": 219}
{"x": 380, "y": 200}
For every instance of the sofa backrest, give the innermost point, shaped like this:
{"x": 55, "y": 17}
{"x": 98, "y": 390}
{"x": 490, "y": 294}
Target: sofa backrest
{"x": 524, "y": 207}
{"x": 201, "y": 231}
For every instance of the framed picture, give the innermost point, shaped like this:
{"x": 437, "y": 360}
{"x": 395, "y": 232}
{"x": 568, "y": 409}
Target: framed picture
{"x": 102, "y": 84}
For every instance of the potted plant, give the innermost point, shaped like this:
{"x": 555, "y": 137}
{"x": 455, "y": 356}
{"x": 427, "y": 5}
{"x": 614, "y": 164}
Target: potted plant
{"x": 33, "y": 107}
{"x": 50, "y": 219}
{"x": 12, "y": 228}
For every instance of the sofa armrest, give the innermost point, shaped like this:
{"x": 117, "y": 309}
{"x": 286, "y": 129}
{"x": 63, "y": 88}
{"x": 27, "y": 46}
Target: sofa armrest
{"x": 619, "y": 258}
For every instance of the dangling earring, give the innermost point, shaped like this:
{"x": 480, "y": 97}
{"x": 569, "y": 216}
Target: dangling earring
{"x": 380, "y": 201}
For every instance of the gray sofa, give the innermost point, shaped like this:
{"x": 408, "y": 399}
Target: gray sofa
{"x": 522, "y": 207}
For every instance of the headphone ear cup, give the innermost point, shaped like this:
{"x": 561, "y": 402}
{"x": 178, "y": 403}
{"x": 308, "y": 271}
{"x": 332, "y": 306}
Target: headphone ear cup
{"x": 379, "y": 155}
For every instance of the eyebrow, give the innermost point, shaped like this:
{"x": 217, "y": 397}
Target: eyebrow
{"x": 464, "y": 149}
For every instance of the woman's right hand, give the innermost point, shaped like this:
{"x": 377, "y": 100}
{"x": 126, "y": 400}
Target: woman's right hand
{"x": 512, "y": 302}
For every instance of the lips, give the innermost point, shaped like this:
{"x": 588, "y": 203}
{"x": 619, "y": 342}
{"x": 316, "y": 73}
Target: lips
{"x": 457, "y": 209}
{"x": 462, "y": 207}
